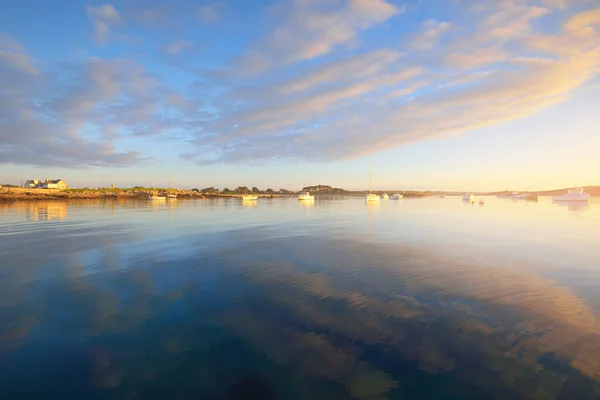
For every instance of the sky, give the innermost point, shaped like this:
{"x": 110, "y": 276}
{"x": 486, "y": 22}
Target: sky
{"x": 439, "y": 94}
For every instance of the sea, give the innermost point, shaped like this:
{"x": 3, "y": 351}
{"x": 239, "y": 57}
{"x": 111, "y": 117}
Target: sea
{"x": 419, "y": 298}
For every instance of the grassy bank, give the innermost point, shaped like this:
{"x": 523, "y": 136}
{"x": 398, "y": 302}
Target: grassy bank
{"x": 23, "y": 194}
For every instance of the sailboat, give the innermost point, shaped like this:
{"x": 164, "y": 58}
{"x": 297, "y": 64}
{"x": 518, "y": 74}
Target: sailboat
{"x": 371, "y": 196}
{"x": 171, "y": 195}
{"x": 154, "y": 196}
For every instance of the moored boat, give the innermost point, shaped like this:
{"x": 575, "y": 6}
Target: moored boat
{"x": 396, "y": 196}
{"x": 513, "y": 195}
{"x": 575, "y": 194}
{"x": 385, "y": 196}
{"x": 155, "y": 196}
{"x": 371, "y": 196}
{"x": 306, "y": 196}
{"x": 468, "y": 197}
{"x": 249, "y": 197}
{"x": 171, "y": 195}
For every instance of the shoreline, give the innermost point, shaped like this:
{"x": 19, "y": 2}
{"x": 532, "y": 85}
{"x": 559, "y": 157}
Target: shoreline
{"x": 24, "y": 194}
{"x": 13, "y": 194}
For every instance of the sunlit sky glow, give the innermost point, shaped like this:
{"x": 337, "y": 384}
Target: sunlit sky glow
{"x": 462, "y": 94}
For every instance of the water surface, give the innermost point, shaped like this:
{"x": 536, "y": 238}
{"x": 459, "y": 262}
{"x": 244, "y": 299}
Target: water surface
{"x": 337, "y": 299}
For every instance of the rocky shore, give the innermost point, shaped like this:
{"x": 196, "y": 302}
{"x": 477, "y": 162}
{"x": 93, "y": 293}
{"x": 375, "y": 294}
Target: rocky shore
{"x": 20, "y": 194}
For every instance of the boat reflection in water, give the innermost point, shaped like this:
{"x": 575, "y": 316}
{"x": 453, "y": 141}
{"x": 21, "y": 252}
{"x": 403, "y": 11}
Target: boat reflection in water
{"x": 573, "y": 205}
{"x": 307, "y": 203}
{"x": 250, "y": 203}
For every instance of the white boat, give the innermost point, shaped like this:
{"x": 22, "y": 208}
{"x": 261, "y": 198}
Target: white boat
{"x": 371, "y": 196}
{"x": 249, "y": 197}
{"x": 575, "y": 194}
{"x": 513, "y": 195}
{"x": 385, "y": 196}
{"x": 306, "y": 196}
{"x": 396, "y": 196}
{"x": 442, "y": 196}
{"x": 468, "y": 197}
{"x": 154, "y": 196}
{"x": 171, "y": 195}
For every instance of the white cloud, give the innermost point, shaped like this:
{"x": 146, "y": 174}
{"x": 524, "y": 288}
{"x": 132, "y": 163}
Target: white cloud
{"x": 428, "y": 38}
{"x": 57, "y": 118}
{"x": 310, "y": 29}
{"x": 105, "y": 17}
{"x": 356, "y": 66}
{"x": 335, "y": 98}
{"x": 105, "y": 12}
{"x": 9, "y": 43}
{"x": 178, "y": 47}
{"x": 373, "y": 101}
{"x": 19, "y": 61}
{"x": 208, "y": 12}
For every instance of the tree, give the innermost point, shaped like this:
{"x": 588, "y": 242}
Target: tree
{"x": 210, "y": 190}
{"x": 270, "y": 191}
{"x": 255, "y": 189}
{"x": 242, "y": 190}
{"x": 226, "y": 190}
{"x": 284, "y": 191}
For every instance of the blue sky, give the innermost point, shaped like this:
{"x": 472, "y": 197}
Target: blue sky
{"x": 462, "y": 94}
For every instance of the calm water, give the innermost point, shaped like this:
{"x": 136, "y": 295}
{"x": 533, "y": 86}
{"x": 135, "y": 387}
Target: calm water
{"x": 219, "y": 299}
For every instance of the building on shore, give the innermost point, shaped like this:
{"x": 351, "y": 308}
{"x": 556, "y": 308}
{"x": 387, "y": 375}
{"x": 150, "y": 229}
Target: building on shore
{"x": 54, "y": 184}
{"x": 47, "y": 184}
{"x": 32, "y": 183}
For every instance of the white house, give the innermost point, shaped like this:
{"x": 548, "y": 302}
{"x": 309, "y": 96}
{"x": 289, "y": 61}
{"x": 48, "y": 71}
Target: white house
{"x": 33, "y": 183}
{"x": 54, "y": 184}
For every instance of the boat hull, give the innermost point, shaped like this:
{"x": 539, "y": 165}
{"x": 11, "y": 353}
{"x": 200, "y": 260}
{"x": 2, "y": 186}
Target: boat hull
{"x": 306, "y": 198}
{"x": 372, "y": 197}
{"x": 572, "y": 197}
{"x": 468, "y": 197}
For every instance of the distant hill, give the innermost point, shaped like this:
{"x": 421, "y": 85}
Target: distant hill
{"x": 593, "y": 190}
{"x": 324, "y": 189}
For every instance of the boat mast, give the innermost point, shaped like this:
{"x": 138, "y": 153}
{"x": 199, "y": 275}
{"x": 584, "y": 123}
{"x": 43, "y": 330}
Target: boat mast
{"x": 370, "y": 174}
{"x": 169, "y": 182}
